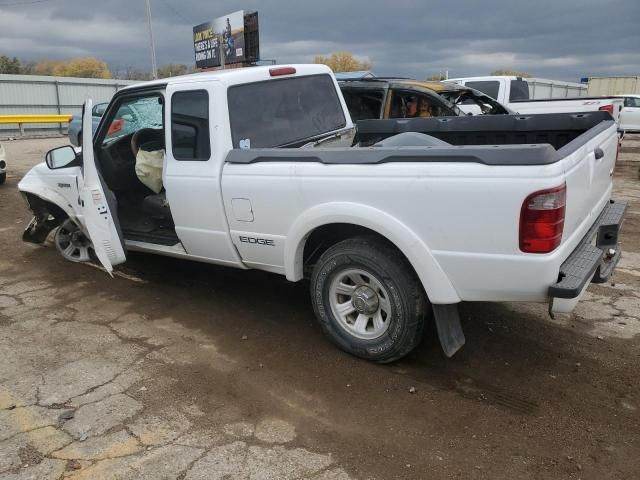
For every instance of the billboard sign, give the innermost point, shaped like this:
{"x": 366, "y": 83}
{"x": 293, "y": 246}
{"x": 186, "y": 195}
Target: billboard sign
{"x": 223, "y": 36}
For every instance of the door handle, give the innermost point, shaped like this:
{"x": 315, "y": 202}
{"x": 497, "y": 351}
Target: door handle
{"x": 598, "y": 153}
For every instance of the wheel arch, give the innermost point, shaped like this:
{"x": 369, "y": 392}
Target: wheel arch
{"x": 48, "y": 196}
{"x": 435, "y": 282}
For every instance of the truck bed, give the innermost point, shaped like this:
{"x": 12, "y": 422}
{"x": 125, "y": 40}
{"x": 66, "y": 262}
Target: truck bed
{"x": 555, "y": 129}
{"x": 524, "y": 140}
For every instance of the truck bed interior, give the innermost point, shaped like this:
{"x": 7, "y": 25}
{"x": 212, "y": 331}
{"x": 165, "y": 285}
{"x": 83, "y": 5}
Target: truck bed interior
{"x": 555, "y": 129}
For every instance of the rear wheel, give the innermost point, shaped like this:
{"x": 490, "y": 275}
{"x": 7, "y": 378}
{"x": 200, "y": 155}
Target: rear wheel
{"x": 3, "y": 177}
{"x": 368, "y": 299}
{"x": 72, "y": 243}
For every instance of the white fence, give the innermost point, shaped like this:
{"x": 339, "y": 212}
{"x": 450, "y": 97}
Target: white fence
{"x": 30, "y": 94}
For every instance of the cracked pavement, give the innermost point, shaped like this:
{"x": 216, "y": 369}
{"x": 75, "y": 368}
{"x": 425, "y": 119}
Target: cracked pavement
{"x": 177, "y": 370}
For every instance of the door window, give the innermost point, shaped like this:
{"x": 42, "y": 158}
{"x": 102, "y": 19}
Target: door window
{"x": 633, "y": 102}
{"x": 411, "y": 104}
{"x": 190, "y": 125}
{"x": 363, "y": 103}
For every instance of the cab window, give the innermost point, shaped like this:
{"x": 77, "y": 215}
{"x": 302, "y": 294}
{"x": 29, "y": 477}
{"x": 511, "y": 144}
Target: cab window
{"x": 190, "y": 125}
{"x": 285, "y": 112}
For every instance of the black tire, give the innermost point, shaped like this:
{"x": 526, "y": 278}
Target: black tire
{"x": 3, "y": 177}
{"x": 407, "y": 299}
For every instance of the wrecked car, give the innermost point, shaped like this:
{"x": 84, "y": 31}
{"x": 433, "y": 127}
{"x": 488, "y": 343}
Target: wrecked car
{"x": 383, "y": 98}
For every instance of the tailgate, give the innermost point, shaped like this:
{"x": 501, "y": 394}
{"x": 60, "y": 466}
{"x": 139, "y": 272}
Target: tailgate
{"x": 589, "y": 161}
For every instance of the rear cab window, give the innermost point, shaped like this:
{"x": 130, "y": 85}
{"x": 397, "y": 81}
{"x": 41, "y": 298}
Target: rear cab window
{"x": 284, "y": 112}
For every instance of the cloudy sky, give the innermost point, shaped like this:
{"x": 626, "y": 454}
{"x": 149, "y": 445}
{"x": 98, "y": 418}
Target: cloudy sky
{"x": 563, "y": 39}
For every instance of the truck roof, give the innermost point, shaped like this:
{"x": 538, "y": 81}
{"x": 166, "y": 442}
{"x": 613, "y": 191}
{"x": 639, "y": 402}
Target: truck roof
{"x": 235, "y": 76}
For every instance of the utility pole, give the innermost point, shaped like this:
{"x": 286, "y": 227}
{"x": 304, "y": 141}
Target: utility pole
{"x": 154, "y": 66}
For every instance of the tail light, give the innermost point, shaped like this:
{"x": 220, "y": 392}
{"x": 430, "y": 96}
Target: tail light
{"x": 607, "y": 108}
{"x": 542, "y": 220}
{"x": 277, "y": 72}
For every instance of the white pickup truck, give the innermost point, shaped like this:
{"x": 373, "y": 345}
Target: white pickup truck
{"x": 260, "y": 172}
{"x": 513, "y": 92}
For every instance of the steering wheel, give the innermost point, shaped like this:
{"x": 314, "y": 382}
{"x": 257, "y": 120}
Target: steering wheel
{"x": 142, "y": 136}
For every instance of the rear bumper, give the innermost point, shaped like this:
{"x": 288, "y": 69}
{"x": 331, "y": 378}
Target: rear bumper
{"x": 595, "y": 257}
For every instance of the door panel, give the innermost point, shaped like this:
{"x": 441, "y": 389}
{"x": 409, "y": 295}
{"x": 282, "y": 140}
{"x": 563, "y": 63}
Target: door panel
{"x": 98, "y": 204}
{"x": 192, "y": 180}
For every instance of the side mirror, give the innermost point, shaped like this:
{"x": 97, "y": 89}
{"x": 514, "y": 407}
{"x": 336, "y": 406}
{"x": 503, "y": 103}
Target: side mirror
{"x": 62, "y": 157}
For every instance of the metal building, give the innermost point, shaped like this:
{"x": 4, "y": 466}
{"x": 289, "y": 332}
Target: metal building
{"x": 31, "y": 94}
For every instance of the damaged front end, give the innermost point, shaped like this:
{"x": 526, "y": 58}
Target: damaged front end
{"x": 46, "y": 217}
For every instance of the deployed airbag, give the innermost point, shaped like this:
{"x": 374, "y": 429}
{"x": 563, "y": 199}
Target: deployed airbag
{"x": 149, "y": 168}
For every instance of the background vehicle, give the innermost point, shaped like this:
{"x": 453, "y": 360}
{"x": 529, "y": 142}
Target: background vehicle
{"x": 259, "y": 173}
{"x": 370, "y": 98}
{"x": 630, "y": 114}
{"x": 75, "y": 126}
{"x": 515, "y": 93}
{"x": 3, "y": 165}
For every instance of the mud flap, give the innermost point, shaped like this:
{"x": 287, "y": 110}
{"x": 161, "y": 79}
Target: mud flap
{"x": 449, "y": 328}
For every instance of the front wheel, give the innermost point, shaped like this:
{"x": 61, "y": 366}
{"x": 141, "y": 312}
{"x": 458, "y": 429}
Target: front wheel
{"x": 72, "y": 243}
{"x": 368, "y": 299}
{"x": 3, "y": 177}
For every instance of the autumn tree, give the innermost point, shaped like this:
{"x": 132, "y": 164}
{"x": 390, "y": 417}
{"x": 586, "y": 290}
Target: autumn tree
{"x": 437, "y": 77}
{"x": 510, "y": 73}
{"x": 10, "y": 65}
{"x": 88, "y": 67}
{"x": 173, "y": 70}
{"x": 343, "y": 62}
{"x": 46, "y": 67}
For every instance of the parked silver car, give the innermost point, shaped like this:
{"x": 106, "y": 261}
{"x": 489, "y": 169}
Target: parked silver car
{"x": 75, "y": 126}
{"x": 3, "y": 165}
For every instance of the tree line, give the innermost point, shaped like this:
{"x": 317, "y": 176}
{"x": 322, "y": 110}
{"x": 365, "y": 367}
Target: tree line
{"x": 90, "y": 67}
{"x": 86, "y": 67}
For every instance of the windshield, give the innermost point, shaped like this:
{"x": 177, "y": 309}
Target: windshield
{"x": 135, "y": 114}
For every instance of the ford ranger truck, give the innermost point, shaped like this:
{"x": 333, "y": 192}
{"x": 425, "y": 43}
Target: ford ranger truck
{"x": 259, "y": 169}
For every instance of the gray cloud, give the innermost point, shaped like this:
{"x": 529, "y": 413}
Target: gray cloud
{"x": 564, "y": 39}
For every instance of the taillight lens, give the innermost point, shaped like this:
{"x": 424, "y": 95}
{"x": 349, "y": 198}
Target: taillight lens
{"x": 542, "y": 220}
{"x": 607, "y": 108}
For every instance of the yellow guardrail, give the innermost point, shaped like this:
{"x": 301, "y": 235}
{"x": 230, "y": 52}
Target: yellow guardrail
{"x": 22, "y": 119}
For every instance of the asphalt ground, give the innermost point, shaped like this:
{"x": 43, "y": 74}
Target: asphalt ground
{"x": 174, "y": 369}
